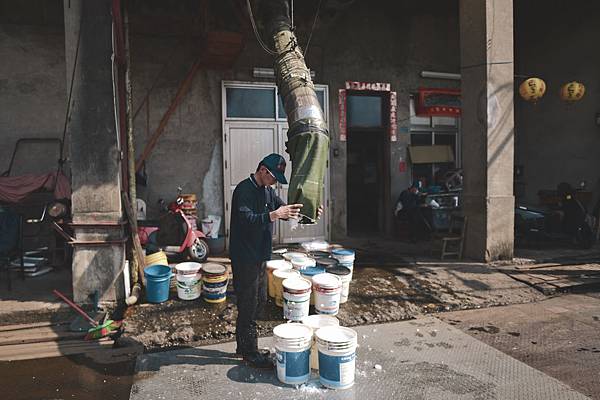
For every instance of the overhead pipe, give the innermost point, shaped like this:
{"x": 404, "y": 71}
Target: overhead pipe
{"x": 308, "y": 138}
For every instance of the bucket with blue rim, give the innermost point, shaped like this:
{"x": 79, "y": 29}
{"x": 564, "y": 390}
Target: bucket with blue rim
{"x": 345, "y": 258}
{"x": 308, "y": 274}
{"x": 158, "y": 278}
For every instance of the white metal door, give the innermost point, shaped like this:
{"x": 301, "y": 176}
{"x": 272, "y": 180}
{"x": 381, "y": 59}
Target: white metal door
{"x": 245, "y": 144}
{"x": 246, "y": 140}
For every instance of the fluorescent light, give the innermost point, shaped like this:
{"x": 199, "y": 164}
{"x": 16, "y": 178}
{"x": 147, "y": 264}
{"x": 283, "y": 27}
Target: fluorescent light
{"x": 440, "y": 75}
{"x": 269, "y": 73}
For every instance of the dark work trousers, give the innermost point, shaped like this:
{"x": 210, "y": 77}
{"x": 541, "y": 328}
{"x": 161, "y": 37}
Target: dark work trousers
{"x": 247, "y": 284}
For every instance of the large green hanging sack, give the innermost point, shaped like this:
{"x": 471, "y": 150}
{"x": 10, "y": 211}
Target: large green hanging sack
{"x": 308, "y": 152}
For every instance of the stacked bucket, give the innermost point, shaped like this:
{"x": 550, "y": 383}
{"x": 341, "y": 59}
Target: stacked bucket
{"x": 319, "y": 278}
{"x": 214, "y": 282}
{"x": 331, "y": 269}
{"x": 320, "y": 345}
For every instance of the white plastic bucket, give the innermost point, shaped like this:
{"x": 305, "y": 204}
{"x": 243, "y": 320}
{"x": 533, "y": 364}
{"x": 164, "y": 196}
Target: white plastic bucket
{"x": 316, "y": 322}
{"x": 279, "y": 275}
{"x": 271, "y": 266}
{"x": 188, "y": 268}
{"x": 337, "y": 356}
{"x": 292, "y": 346}
{"x": 308, "y": 274}
{"x": 328, "y": 290}
{"x": 344, "y": 255}
{"x": 346, "y": 258}
{"x": 189, "y": 286}
{"x": 301, "y": 263}
{"x": 345, "y": 276}
{"x": 291, "y": 254}
{"x": 296, "y": 298}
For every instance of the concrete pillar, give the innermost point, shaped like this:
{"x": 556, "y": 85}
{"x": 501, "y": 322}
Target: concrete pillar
{"x": 94, "y": 151}
{"x": 486, "y": 42}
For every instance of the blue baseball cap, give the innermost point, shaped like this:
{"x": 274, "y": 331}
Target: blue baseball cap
{"x": 275, "y": 163}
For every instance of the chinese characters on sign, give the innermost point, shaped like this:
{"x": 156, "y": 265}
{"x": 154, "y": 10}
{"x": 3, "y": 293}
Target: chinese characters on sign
{"x": 373, "y": 86}
{"x": 342, "y": 114}
{"x": 440, "y": 102}
{"x": 393, "y": 113}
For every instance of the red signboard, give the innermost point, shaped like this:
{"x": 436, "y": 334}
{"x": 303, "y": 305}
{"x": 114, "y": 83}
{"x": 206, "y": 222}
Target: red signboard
{"x": 439, "y": 102}
{"x": 342, "y": 114}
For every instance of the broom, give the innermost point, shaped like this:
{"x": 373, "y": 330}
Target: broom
{"x": 97, "y": 330}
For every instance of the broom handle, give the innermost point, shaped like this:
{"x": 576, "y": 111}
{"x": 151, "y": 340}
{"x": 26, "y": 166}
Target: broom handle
{"x": 75, "y": 307}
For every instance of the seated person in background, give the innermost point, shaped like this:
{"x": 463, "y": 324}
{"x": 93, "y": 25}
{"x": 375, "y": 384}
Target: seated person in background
{"x": 408, "y": 207}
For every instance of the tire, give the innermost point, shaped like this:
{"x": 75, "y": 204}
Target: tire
{"x": 198, "y": 251}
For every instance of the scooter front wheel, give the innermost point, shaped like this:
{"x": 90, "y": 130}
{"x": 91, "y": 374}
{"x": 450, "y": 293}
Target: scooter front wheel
{"x": 198, "y": 251}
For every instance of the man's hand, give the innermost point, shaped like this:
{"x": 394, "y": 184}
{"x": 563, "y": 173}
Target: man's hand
{"x": 319, "y": 212}
{"x": 286, "y": 212}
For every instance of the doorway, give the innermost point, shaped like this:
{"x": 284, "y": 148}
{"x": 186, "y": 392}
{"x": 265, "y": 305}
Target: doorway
{"x": 367, "y": 163}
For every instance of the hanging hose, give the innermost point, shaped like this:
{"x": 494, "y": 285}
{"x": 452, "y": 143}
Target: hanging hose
{"x": 308, "y": 138}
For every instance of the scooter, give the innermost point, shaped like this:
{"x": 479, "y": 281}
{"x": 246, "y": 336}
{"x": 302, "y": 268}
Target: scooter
{"x": 175, "y": 234}
{"x": 536, "y": 227}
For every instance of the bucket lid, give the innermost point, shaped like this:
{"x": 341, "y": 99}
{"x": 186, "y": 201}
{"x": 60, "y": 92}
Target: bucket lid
{"x": 185, "y": 267}
{"x": 157, "y": 270}
{"x": 336, "y": 334}
{"x": 312, "y": 271}
{"x": 292, "y": 331}
{"x": 213, "y": 269}
{"x": 296, "y": 283}
{"x": 327, "y": 262}
{"x": 339, "y": 270}
{"x": 303, "y": 262}
{"x": 343, "y": 252}
{"x": 280, "y": 251}
{"x": 320, "y": 254}
{"x": 285, "y": 273}
{"x": 320, "y": 320}
{"x": 315, "y": 245}
{"x": 291, "y": 254}
{"x": 277, "y": 264}
{"x": 326, "y": 280}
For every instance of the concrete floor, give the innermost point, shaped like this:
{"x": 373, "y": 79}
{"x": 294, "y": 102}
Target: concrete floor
{"x": 559, "y": 336}
{"x": 420, "y": 359}
{"x": 34, "y": 293}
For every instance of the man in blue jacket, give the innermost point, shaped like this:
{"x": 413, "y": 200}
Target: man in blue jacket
{"x": 255, "y": 206}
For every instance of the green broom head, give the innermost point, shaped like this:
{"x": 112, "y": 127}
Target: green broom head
{"x": 103, "y": 330}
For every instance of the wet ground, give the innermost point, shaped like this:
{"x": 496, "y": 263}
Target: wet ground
{"x": 75, "y": 377}
{"x": 558, "y": 336}
{"x": 385, "y": 288}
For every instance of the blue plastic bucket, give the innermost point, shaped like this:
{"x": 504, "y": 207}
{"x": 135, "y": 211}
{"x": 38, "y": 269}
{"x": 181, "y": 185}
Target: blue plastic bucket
{"x": 158, "y": 278}
{"x": 337, "y": 356}
{"x": 292, "y": 345}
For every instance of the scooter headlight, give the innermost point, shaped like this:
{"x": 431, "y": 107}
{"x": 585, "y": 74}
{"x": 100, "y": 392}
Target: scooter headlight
{"x": 57, "y": 210}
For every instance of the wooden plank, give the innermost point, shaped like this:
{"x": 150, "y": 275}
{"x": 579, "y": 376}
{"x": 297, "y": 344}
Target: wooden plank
{"x": 51, "y": 349}
{"x": 35, "y": 336}
{"x": 526, "y": 278}
{"x": 543, "y": 277}
{"x": 537, "y": 266}
{"x": 4, "y": 328}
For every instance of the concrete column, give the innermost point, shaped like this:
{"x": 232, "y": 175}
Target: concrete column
{"x": 486, "y": 41}
{"x": 94, "y": 150}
